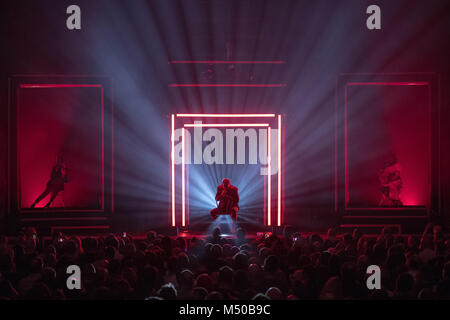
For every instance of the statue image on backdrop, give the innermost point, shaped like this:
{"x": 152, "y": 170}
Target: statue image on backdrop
{"x": 391, "y": 184}
{"x": 58, "y": 178}
{"x": 228, "y": 200}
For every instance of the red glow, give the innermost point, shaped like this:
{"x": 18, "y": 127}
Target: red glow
{"x": 250, "y": 85}
{"x": 183, "y": 182}
{"x": 269, "y": 165}
{"x": 399, "y": 226}
{"x": 387, "y": 83}
{"x": 215, "y": 125}
{"x": 347, "y": 196}
{"x": 226, "y": 62}
{"x": 279, "y": 172}
{"x": 53, "y": 133}
{"x": 103, "y": 147}
{"x": 31, "y": 86}
{"x": 269, "y": 178}
{"x": 172, "y": 163}
{"x": 407, "y": 200}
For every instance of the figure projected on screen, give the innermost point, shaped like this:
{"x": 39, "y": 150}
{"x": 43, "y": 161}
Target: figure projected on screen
{"x": 228, "y": 200}
{"x": 58, "y": 178}
{"x": 391, "y": 184}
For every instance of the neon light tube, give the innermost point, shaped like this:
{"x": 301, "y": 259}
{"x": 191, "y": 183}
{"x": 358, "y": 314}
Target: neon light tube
{"x": 250, "y": 85}
{"x": 269, "y": 218}
{"x": 60, "y": 85}
{"x": 183, "y": 182}
{"x": 193, "y": 125}
{"x": 172, "y": 162}
{"x": 226, "y": 62}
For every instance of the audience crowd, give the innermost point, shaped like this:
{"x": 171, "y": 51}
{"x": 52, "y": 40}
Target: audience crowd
{"x": 291, "y": 266}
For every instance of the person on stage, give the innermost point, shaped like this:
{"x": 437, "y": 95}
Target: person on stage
{"x": 228, "y": 197}
{"x": 391, "y": 184}
{"x": 58, "y": 178}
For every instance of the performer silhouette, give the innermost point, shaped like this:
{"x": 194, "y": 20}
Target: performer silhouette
{"x": 58, "y": 178}
{"x": 228, "y": 197}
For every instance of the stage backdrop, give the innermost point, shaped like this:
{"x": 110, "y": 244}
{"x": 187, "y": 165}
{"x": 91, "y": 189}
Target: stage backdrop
{"x": 385, "y": 121}
{"x": 63, "y": 120}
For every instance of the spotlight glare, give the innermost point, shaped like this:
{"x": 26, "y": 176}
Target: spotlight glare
{"x": 224, "y": 115}
{"x": 215, "y": 125}
{"x": 269, "y": 175}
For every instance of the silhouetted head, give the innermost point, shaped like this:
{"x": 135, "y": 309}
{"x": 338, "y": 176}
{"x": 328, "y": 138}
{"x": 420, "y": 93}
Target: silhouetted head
{"x": 60, "y": 158}
{"x": 226, "y": 183}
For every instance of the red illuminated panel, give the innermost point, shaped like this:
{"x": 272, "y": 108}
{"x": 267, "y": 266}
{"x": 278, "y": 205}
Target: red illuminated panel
{"x": 47, "y": 85}
{"x": 224, "y": 115}
{"x": 269, "y": 179}
{"x": 217, "y": 125}
{"x": 226, "y": 62}
{"x": 269, "y": 164}
{"x": 20, "y": 195}
{"x": 279, "y": 172}
{"x": 236, "y": 85}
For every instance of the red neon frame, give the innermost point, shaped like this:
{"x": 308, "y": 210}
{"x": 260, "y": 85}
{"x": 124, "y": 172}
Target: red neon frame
{"x": 183, "y": 183}
{"x": 235, "y": 85}
{"x": 225, "y": 115}
{"x": 215, "y": 125}
{"x": 58, "y": 85}
{"x": 373, "y": 83}
{"x": 279, "y": 193}
{"x": 279, "y": 171}
{"x": 226, "y": 62}
{"x": 172, "y": 163}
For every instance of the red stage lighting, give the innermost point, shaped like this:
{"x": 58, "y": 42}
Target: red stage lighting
{"x": 346, "y": 166}
{"x": 233, "y": 85}
{"x": 280, "y": 150}
{"x": 226, "y": 62}
{"x": 225, "y": 115}
{"x": 172, "y": 163}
